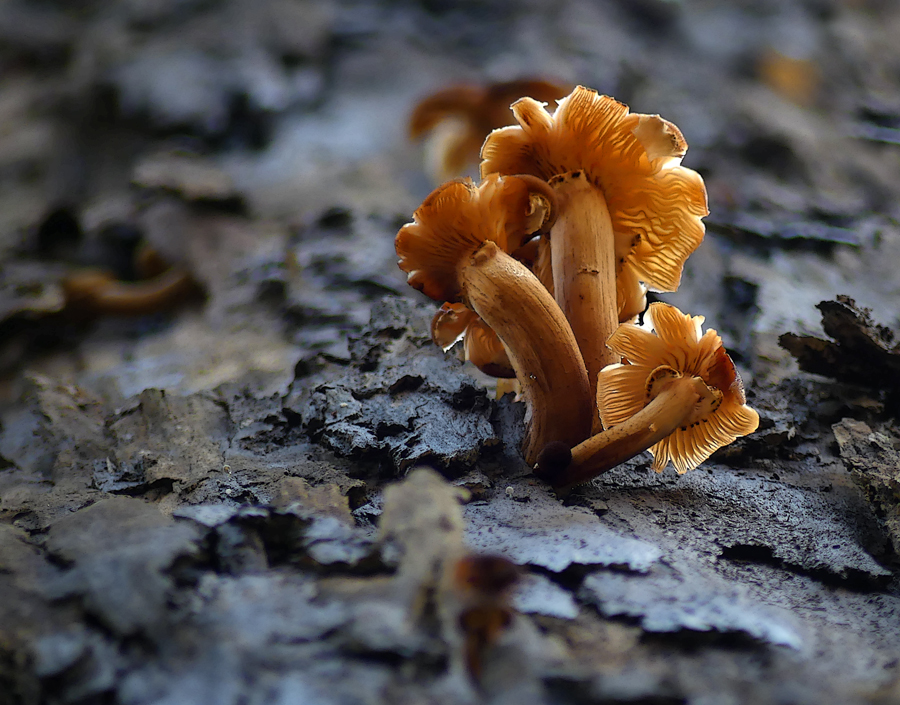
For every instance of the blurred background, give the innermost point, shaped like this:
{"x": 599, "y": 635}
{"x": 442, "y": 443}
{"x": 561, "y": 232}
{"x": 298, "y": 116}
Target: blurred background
{"x": 257, "y": 152}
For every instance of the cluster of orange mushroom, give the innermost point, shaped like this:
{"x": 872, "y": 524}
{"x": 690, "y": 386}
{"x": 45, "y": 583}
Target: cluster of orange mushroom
{"x": 544, "y": 268}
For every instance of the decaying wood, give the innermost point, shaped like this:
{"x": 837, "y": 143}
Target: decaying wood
{"x": 193, "y": 504}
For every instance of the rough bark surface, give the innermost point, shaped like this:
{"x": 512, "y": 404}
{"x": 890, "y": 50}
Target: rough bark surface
{"x": 221, "y": 503}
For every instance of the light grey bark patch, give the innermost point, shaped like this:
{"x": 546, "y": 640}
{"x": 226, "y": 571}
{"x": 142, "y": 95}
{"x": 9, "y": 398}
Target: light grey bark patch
{"x": 801, "y": 528}
{"x": 669, "y": 600}
{"x": 537, "y": 594}
{"x": 119, "y": 550}
{"x": 537, "y": 529}
{"x": 805, "y": 515}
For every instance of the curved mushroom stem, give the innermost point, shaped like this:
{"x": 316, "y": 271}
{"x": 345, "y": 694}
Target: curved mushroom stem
{"x": 540, "y": 343}
{"x": 584, "y": 271}
{"x": 98, "y": 292}
{"x": 670, "y": 409}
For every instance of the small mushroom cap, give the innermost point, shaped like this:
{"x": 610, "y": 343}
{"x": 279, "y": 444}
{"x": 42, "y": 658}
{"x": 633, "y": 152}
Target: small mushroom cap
{"x": 458, "y": 118}
{"x": 485, "y": 107}
{"x": 535, "y": 254}
{"x": 485, "y": 350}
{"x": 99, "y": 292}
{"x": 635, "y": 160}
{"x": 679, "y": 346}
{"x": 451, "y": 149}
{"x": 85, "y": 289}
{"x": 459, "y": 217}
{"x": 450, "y": 323}
{"x": 454, "y": 102}
{"x": 455, "y": 322}
{"x": 631, "y": 295}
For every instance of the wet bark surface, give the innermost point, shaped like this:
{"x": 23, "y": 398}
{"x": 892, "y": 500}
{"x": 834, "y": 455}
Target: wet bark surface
{"x": 221, "y": 502}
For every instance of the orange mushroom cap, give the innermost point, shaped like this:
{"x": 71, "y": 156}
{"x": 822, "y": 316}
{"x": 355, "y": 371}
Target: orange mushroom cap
{"x": 449, "y": 324}
{"x": 482, "y": 347}
{"x": 454, "y": 101}
{"x": 679, "y": 346}
{"x": 458, "y": 217}
{"x": 485, "y": 350}
{"x": 655, "y": 203}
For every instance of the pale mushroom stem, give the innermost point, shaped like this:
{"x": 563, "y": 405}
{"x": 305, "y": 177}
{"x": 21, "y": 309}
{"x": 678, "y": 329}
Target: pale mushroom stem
{"x": 667, "y": 411}
{"x": 541, "y": 346}
{"x": 584, "y": 271}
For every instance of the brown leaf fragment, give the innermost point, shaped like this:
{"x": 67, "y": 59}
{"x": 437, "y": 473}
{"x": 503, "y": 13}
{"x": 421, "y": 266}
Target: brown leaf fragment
{"x": 861, "y": 352}
{"x": 873, "y": 458}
